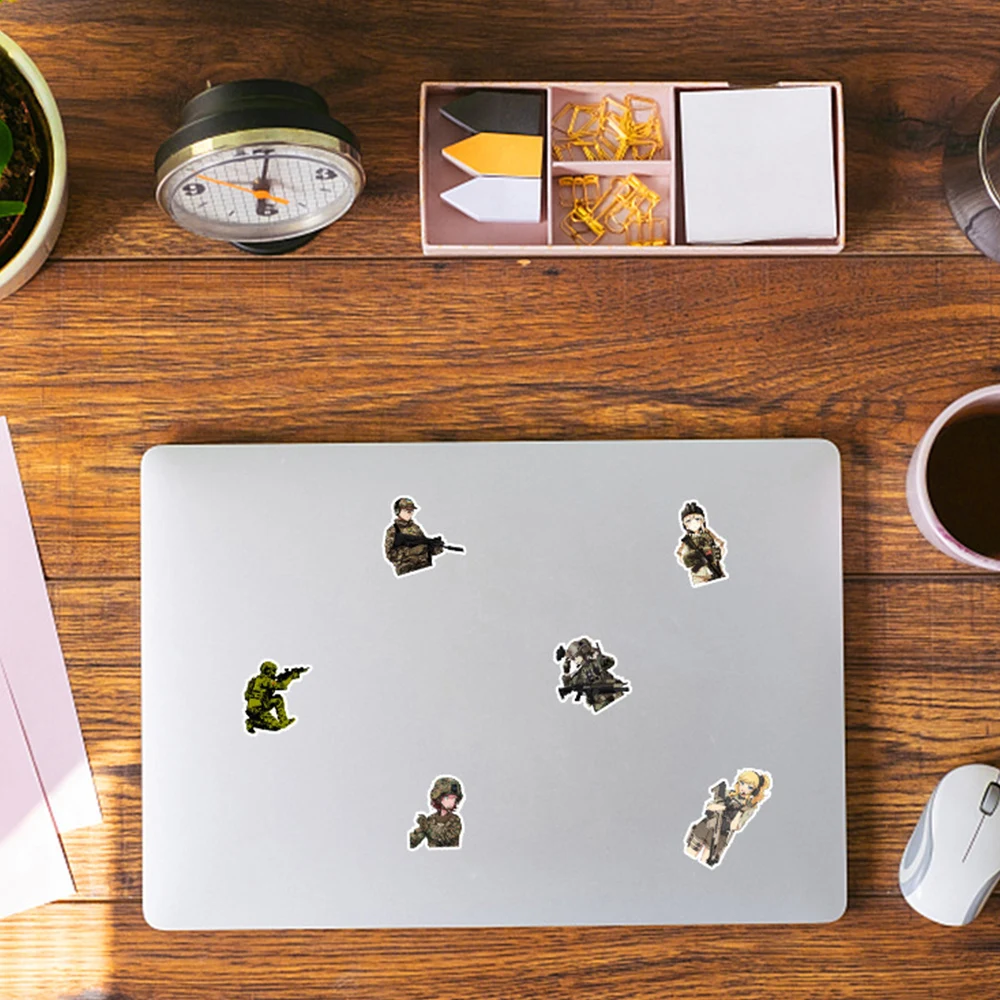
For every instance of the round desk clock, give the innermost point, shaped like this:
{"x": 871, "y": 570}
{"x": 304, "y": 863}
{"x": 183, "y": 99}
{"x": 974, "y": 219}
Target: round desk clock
{"x": 259, "y": 163}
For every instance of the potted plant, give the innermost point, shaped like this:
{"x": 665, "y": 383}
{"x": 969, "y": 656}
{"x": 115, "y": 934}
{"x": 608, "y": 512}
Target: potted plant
{"x": 32, "y": 168}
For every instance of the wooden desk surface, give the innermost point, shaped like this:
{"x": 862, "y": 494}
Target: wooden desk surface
{"x": 137, "y": 333}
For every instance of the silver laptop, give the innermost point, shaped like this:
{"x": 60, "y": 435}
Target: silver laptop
{"x": 476, "y": 684}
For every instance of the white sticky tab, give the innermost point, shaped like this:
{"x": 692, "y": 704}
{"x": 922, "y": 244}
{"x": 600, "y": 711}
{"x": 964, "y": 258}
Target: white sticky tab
{"x": 498, "y": 199}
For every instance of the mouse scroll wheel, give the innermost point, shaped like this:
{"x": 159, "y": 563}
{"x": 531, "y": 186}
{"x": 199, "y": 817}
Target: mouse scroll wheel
{"x": 991, "y": 799}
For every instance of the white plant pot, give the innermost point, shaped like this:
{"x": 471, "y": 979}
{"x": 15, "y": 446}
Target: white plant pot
{"x": 23, "y": 265}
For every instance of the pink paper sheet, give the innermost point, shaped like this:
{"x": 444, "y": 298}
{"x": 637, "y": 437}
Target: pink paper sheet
{"x": 33, "y": 661}
{"x": 33, "y": 868}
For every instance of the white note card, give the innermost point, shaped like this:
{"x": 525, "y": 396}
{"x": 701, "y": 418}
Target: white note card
{"x": 758, "y": 164}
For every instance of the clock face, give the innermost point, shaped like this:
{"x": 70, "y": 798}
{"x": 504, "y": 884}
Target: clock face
{"x": 257, "y": 191}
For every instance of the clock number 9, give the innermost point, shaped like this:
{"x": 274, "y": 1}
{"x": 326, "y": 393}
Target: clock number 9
{"x": 325, "y": 174}
{"x": 191, "y": 190}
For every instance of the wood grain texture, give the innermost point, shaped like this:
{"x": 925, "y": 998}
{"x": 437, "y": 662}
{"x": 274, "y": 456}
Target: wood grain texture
{"x": 921, "y": 695}
{"x": 122, "y": 71}
{"x": 881, "y": 949}
{"x": 106, "y": 360}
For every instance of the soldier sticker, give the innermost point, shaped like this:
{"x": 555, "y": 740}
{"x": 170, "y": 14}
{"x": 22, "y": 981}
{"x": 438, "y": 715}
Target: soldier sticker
{"x": 406, "y": 546}
{"x": 265, "y": 708}
{"x": 701, "y": 550}
{"x": 727, "y": 811}
{"x": 587, "y": 673}
{"x": 443, "y": 827}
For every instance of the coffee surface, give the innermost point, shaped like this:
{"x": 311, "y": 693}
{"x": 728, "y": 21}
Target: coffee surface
{"x": 963, "y": 480}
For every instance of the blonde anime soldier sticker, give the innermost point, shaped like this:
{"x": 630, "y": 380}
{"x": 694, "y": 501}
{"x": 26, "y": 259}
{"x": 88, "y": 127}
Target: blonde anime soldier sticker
{"x": 727, "y": 811}
{"x": 442, "y": 827}
{"x": 701, "y": 550}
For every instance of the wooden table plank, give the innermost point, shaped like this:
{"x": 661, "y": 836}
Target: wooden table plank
{"x": 103, "y": 360}
{"x": 921, "y": 695}
{"x": 121, "y": 73}
{"x": 66, "y": 950}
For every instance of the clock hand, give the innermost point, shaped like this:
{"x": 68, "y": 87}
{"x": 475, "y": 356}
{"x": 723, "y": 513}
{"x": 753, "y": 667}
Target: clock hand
{"x": 262, "y": 184}
{"x": 239, "y": 187}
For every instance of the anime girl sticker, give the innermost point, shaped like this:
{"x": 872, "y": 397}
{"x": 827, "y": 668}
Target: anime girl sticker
{"x": 700, "y": 550}
{"x": 727, "y": 811}
{"x": 443, "y": 827}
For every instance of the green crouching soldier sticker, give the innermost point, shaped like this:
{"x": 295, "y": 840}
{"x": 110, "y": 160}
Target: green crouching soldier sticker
{"x": 701, "y": 550}
{"x": 406, "y": 546}
{"x": 727, "y": 811}
{"x": 443, "y": 827}
{"x": 587, "y": 674}
{"x": 265, "y": 708}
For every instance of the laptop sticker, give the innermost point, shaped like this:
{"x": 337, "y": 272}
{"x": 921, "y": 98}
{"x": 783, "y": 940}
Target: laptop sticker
{"x": 701, "y": 550}
{"x": 265, "y": 708}
{"x": 587, "y": 674}
{"x": 406, "y": 546}
{"x": 442, "y": 827}
{"x": 726, "y": 812}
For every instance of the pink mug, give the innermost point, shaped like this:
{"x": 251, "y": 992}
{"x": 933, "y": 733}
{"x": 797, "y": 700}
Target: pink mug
{"x": 986, "y": 400}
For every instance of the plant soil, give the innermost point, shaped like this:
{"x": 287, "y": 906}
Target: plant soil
{"x": 26, "y": 175}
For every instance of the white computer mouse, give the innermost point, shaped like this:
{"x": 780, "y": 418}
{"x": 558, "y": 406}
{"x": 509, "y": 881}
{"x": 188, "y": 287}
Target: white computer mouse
{"x": 952, "y": 861}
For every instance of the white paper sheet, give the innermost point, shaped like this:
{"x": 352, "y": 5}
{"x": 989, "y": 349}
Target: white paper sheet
{"x": 758, "y": 164}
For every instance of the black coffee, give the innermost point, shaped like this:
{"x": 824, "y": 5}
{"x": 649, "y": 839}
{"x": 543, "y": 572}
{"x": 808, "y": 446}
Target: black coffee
{"x": 963, "y": 480}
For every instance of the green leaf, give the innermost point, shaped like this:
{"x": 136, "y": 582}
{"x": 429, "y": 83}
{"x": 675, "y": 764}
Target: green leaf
{"x": 8, "y": 208}
{"x": 6, "y": 145}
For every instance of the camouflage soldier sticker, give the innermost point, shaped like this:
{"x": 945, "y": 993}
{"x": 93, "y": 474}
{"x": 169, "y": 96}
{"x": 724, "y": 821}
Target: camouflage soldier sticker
{"x": 587, "y": 674}
{"x": 265, "y": 708}
{"x": 701, "y": 550}
{"x": 727, "y": 811}
{"x": 406, "y": 546}
{"x": 443, "y": 826}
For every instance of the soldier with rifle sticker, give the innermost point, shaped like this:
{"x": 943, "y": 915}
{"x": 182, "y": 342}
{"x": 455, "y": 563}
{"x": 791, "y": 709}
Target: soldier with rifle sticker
{"x": 443, "y": 827}
{"x": 406, "y": 546}
{"x": 726, "y": 813}
{"x": 265, "y": 708}
{"x": 701, "y": 550}
{"x": 587, "y": 674}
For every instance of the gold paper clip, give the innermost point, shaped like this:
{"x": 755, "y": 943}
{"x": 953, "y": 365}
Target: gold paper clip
{"x": 621, "y": 205}
{"x": 578, "y": 190}
{"x": 647, "y": 231}
{"x": 586, "y": 231}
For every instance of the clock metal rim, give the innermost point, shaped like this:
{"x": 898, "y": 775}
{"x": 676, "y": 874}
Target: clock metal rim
{"x": 348, "y": 155}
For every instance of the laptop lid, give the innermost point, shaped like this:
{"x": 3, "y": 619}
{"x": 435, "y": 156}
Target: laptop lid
{"x": 584, "y": 712}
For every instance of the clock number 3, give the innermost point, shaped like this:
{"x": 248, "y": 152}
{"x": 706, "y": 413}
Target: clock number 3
{"x": 325, "y": 174}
